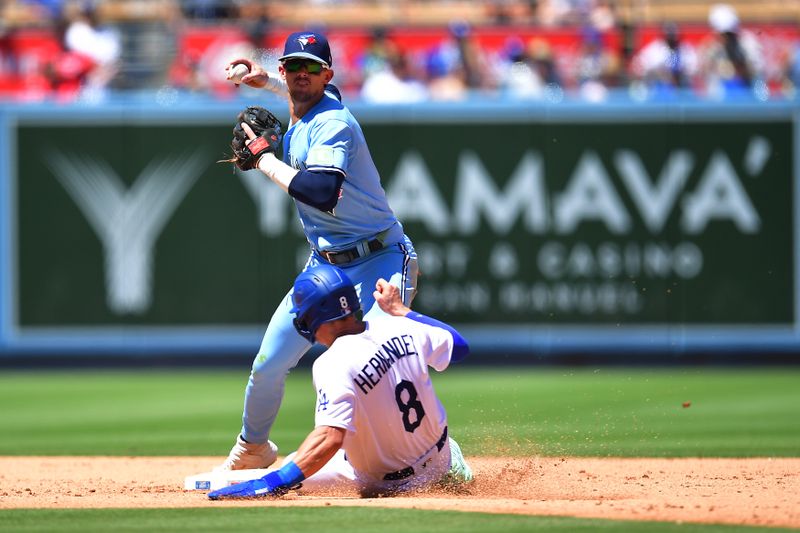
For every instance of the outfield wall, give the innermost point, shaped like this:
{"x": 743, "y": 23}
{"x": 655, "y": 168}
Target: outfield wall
{"x": 542, "y": 229}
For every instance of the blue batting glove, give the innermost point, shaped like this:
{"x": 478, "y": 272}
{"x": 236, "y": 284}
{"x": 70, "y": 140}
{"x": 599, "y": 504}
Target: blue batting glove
{"x": 264, "y": 486}
{"x": 275, "y": 483}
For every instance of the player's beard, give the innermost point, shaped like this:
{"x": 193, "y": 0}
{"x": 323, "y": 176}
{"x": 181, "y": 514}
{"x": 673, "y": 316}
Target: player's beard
{"x": 306, "y": 89}
{"x": 304, "y": 95}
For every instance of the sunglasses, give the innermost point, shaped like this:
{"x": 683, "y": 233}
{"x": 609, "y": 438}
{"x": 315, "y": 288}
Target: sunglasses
{"x": 312, "y": 67}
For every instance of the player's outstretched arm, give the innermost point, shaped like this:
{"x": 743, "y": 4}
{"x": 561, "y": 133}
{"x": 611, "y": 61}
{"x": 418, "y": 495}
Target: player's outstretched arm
{"x": 255, "y": 77}
{"x": 318, "y": 448}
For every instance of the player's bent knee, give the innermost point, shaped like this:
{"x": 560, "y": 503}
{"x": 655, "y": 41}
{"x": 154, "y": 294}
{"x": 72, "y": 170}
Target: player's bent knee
{"x": 263, "y": 373}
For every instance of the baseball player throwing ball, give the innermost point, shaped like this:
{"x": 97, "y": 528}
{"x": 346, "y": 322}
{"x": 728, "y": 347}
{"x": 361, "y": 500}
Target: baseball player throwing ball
{"x": 380, "y": 428}
{"x": 327, "y": 169}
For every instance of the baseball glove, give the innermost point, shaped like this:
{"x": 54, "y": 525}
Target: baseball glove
{"x": 268, "y": 136}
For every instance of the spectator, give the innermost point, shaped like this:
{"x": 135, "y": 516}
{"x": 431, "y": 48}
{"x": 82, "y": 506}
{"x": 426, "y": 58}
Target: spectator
{"x": 445, "y": 77}
{"x": 598, "y": 67}
{"x": 376, "y": 55}
{"x": 667, "y": 63}
{"x": 393, "y": 83}
{"x": 85, "y": 36}
{"x": 732, "y": 59}
{"x": 519, "y": 77}
{"x": 457, "y": 65}
{"x": 444, "y": 73}
{"x": 470, "y": 56}
{"x": 552, "y": 13}
{"x": 602, "y": 15}
{"x": 541, "y": 54}
{"x": 791, "y": 71}
{"x": 208, "y": 10}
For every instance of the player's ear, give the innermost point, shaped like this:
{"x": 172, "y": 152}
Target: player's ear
{"x": 281, "y": 70}
{"x": 328, "y": 73}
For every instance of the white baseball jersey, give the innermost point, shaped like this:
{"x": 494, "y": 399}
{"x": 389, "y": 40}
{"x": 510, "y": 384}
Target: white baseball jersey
{"x": 376, "y": 386}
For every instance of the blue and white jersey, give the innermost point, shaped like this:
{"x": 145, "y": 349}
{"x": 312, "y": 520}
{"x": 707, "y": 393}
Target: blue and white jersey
{"x": 328, "y": 137}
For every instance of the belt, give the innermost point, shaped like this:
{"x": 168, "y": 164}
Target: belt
{"x": 362, "y": 249}
{"x": 409, "y": 471}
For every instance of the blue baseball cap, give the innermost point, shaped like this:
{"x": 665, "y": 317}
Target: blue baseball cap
{"x": 308, "y": 45}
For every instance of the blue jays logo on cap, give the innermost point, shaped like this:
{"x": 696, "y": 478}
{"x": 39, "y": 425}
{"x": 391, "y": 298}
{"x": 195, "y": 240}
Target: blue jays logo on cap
{"x": 307, "y": 39}
{"x": 308, "y": 45}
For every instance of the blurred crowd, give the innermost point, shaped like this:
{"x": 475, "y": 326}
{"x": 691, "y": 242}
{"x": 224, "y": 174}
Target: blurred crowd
{"x": 542, "y": 50}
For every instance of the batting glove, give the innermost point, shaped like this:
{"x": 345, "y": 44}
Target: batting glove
{"x": 276, "y": 483}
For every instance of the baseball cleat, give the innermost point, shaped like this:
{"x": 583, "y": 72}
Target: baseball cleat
{"x": 460, "y": 471}
{"x": 245, "y": 455}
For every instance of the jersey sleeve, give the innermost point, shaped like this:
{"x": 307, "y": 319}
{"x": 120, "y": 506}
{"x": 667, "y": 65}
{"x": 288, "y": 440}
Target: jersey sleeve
{"x": 437, "y": 344}
{"x": 329, "y": 145}
{"x": 335, "y": 400}
{"x": 460, "y": 346}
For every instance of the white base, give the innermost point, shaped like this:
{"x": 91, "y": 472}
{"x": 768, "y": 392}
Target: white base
{"x": 222, "y": 478}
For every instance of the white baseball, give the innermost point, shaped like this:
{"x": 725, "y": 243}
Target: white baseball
{"x": 236, "y": 73}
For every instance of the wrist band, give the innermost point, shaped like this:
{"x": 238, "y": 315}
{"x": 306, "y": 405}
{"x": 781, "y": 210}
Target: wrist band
{"x": 290, "y": 474}
{"x": 275, "y": 84}
{"x": 276, "y": 170}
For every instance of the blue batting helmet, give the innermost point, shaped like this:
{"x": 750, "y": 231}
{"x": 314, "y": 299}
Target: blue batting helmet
{"x": 322, "y": 294}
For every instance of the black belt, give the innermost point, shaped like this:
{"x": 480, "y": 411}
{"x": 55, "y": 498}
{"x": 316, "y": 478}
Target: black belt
{"x": 400, "y": 474}
{"x": 351, "y": 254}
{"x": 409, "y": 471}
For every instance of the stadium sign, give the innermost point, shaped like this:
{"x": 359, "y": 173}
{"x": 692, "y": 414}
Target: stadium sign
{"x": 121, "y": 230}
{"x": 611, "y": 227}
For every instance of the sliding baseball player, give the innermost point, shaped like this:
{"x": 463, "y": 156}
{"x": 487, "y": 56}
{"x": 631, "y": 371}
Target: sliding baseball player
{"x": 380, "y": 428}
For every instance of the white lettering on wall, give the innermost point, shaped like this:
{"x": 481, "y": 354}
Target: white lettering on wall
{"x": 655, "y": 202}
{"x": 721, "y": 196}
{"x": 128, "y": 221}
{"x": 413, "y": 195}
{"x": 607, "y": 260}
{"x": 590, "y": 195}
{"x": 477, "y": 195}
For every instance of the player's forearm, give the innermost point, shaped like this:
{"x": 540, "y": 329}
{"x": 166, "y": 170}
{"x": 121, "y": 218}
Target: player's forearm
{"x": 276, "y": 170}
{"x": 276, "y": 84}
{"x": 318, "y": 448}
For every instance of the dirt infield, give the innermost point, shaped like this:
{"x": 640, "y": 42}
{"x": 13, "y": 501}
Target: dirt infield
{"x": 759, "y": 491}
